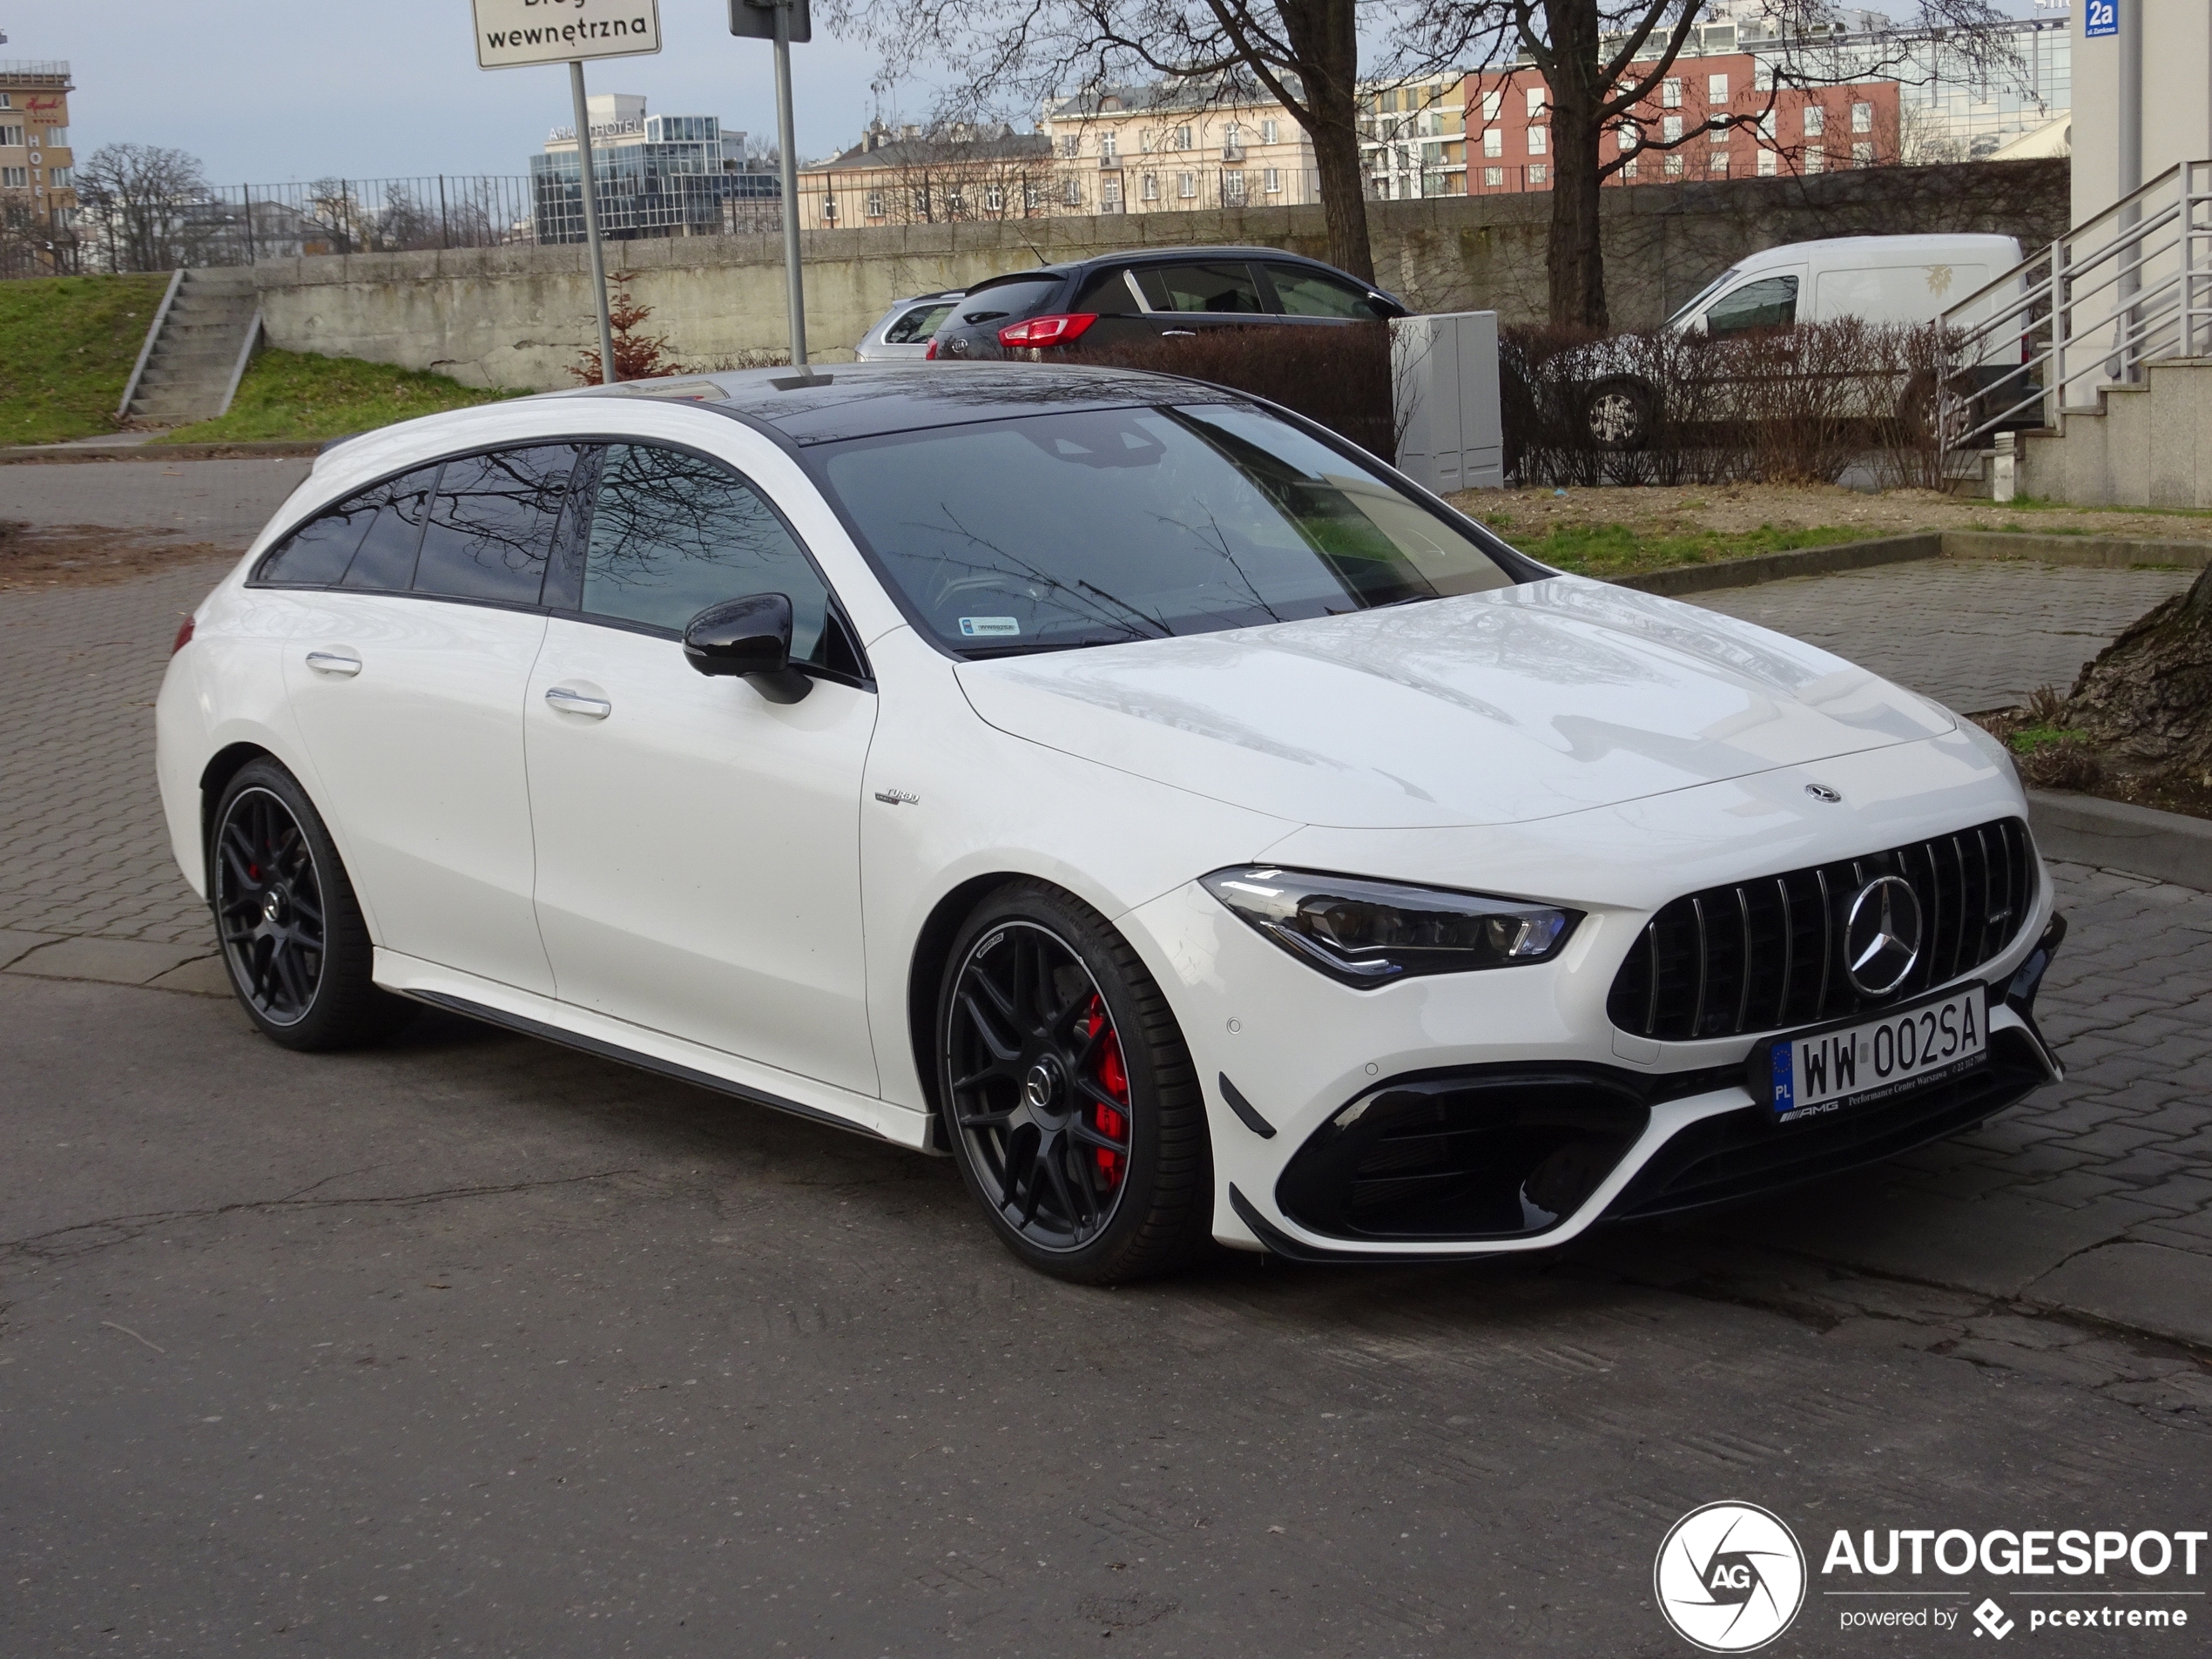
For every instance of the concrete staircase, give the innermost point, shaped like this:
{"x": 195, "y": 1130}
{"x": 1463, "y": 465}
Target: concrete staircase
{"x": 196, "y": 350}
{"x": 2147, "y": 443}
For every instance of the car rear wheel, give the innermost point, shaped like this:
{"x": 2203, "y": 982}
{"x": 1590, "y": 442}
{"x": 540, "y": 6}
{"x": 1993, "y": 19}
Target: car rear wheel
{"x": 1068, "y": 1097}
{"x": 293, "y": 942}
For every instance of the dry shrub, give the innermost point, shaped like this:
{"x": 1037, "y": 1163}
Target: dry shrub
{"x": 1783, "y": 405}
{"x": 1338, "y": 375}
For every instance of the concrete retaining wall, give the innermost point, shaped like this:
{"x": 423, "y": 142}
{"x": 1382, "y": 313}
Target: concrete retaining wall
{"x": 514, "y": 316}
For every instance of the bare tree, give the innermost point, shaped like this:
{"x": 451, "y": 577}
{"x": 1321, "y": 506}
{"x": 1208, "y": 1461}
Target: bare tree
{"x": 1306, "y": 53}
{"x": 1603, "y": 61}
{"x": 139, "y": 198}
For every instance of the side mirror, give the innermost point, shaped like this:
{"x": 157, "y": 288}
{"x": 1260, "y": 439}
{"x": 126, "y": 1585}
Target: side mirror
{"x": 750, "y": 638}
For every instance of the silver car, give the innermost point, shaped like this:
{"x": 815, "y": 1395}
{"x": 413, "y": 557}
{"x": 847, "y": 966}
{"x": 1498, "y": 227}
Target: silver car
{"x": 902, "y": 332}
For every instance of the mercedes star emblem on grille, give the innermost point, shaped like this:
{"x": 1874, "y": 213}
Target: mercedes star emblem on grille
{"x": 1821, "y": 792}
{"x": 1882, "y": 934}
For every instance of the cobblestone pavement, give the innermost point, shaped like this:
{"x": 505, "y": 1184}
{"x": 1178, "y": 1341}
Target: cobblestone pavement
{"x": 196, "y": 500}
{"x": 1972, "y": 634}
{"x": 2091, "y": 1192}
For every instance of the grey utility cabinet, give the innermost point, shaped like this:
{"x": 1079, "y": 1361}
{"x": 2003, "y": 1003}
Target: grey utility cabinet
{"x": 1443, "y": 379}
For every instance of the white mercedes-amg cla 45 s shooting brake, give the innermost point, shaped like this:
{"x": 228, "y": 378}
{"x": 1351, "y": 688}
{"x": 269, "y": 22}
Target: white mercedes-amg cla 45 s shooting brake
{"x": 1120, "y": 784}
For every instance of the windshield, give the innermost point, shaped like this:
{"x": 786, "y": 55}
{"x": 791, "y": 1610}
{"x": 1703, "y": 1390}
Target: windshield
{"x": 1009, "y": 300}
{"x": 1699, "y": 298}
{"x": 1093, "y": 527}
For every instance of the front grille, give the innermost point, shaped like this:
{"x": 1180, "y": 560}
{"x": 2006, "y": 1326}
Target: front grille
{"x": 1768, "y": 953}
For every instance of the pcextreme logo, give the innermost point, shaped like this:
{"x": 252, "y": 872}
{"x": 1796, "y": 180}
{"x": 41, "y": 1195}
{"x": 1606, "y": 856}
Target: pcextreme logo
{"x": 1730, "y": 1577}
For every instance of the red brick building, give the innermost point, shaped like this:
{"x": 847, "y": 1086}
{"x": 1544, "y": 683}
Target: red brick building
{"x": 1794, "y": 130}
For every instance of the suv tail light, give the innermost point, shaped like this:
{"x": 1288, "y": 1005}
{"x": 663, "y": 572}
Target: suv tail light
{"x": 1047, "y": 331}
{"x": 930, "y": 356}
{"x": 183, "y": 635}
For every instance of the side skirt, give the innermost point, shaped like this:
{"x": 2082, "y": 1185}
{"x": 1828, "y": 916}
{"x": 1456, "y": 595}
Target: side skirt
{"x": 443, "y": 988}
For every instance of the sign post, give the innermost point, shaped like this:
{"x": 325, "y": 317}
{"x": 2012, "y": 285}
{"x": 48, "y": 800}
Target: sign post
{"x": 783, "y": 22}
{"x": 511, "y": 34}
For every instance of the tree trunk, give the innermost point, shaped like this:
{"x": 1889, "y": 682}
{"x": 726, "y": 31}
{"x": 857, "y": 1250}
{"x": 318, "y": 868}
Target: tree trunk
{"x": 1324, "y": 37}
{"x": 1574, "y": 261}
{"x": 2148, "y": 696}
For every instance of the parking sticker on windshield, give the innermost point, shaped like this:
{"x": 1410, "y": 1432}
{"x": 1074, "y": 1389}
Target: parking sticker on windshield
{"x": 989, "y": 627}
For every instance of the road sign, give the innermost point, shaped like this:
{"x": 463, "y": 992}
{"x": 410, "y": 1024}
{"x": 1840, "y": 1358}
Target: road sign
{"x": 756, "y": 20}
{"x": 511, "y": 33}
{"x": 2101, "y": 17}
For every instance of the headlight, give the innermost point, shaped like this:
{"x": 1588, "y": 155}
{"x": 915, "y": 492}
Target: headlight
{"x": 1371, "y": 932}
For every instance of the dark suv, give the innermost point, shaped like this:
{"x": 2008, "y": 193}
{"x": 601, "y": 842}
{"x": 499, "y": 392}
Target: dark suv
{"x": 1153, "y": 293}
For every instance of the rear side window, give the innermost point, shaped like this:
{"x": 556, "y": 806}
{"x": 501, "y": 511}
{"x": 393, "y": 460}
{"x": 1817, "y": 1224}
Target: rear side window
{"x": 491, "y": 523}
{"x": 367, "y": 540}
{"x": 1771, "y": 302}
{"x": 1308, "y": 292}
{"x": 1108, "y": 294}
{"x": 918, "y": 324}
{"x": 1009, "y": 301}
{"x": 385, "y": 560}
{"x": 673, "y": 533}
{"x": 1223, "y": 287}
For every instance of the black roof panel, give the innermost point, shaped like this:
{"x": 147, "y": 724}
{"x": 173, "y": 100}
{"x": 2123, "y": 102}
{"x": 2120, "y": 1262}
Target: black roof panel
{"x": 868, "y": 400}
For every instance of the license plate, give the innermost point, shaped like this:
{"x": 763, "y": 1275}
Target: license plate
{"x": 1809, "y": 1074}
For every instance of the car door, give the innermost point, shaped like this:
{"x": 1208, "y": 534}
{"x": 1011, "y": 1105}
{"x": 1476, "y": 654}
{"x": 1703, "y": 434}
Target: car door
{"x": 698, "y": 843}
{"x": 1187, "y": 298}
{"x": 407, "y": 679}
{"x": 1311, "y": 295}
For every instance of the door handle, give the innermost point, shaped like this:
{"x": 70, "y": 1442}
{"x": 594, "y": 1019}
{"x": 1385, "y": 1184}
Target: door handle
{"x": 592, "y": 708}
{"x": 332, "y": 662}
{"x": 1179, "y": 334}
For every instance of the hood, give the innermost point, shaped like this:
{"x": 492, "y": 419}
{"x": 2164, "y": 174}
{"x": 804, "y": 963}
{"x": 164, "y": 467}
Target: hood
{"x": 1501, "y": 707}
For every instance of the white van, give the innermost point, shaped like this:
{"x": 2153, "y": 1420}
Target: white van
{"x": 1882, "y": 279}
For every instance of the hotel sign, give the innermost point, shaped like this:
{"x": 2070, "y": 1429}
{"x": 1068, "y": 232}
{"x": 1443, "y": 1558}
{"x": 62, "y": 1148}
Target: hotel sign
{"x": 511, "y": 33}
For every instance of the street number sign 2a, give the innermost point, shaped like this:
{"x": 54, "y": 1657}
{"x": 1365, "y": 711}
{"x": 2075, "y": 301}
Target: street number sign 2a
{"x": 510, "y": 33}
{"x": 2101, "y": 17}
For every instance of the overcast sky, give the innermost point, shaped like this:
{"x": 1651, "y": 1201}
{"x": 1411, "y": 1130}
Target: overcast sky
{"x": 266, "y": 90}
{"x": 270, "y": 91}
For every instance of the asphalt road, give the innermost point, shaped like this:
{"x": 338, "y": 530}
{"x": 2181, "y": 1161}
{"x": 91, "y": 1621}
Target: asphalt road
{"x": 223, "y": 501}
{"x": 472, "y": 1345}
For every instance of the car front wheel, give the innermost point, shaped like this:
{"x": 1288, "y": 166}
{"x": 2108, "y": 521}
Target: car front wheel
{"x": 1068, "y": 1097}
{"x": 1620, "y": 414}
{"x": 294, "y": 941}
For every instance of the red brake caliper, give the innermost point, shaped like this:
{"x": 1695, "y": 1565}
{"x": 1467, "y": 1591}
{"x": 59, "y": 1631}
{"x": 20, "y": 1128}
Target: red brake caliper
{"x": 1113, "y": 1078}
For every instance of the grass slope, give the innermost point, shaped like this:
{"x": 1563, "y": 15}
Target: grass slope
{"x": 67, "y": 347}
{"x": 298, "y": 395}
{"x": 1610, "y": 550}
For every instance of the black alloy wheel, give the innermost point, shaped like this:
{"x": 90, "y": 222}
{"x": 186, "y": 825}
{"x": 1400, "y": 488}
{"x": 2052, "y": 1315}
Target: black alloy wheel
{"x": 293, "y": 938}
{"x": 1069, "y": 1095}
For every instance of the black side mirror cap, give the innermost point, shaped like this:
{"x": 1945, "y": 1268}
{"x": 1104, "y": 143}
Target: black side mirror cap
{"x": 749, "y": 638}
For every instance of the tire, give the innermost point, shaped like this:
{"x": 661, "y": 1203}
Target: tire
{"x": 293, "y": 939}
{"x": 1090, "y": 1170}
{"x": 1619, "y": 414}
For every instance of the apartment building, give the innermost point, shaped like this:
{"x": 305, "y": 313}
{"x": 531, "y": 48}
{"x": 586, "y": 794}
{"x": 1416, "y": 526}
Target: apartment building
{"x": 1178, "y": 146}
{"x": 1758, "y": 133}
{"x": 1412, "y": 139}
{"x": 37, "y": 165}
{"x": 907, "y": 175}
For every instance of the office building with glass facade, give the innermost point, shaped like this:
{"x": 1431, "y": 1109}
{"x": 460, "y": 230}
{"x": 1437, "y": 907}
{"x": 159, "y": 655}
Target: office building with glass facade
{"x": 657, "y": 175}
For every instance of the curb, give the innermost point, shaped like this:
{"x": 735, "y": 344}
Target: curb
{"x": 2108, "y": 552}
{"x": 17, "y": 454}
{"x": 2113, "y": 835}
{"x": 1774, "y": 567}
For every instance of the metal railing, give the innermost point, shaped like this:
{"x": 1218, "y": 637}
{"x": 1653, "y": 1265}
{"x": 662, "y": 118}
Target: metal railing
{"x": 2123, "y": 289}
